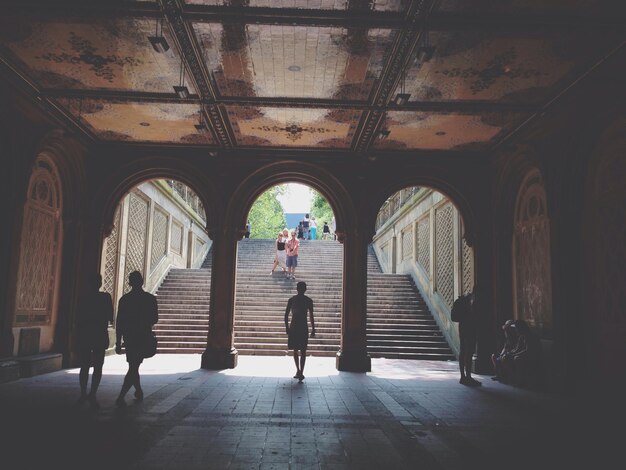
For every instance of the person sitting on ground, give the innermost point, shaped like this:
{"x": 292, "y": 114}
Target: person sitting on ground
{"x": 298, "y": 330}
{"x": 502, "y": 362}
{"x": 525, "y": 356}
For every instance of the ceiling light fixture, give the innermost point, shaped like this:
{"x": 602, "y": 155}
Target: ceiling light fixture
{"x": 181, "y": 90}
{"x": 200, "y": 126}
{"x": 402, "y": 98}
{"x": 425, "y": 51}
{"x": 158, "y": 41}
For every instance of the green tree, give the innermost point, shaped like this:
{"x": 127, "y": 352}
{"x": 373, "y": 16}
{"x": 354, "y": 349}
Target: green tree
{"x": 266, "y": 215}
{"x": 321, "y": 210}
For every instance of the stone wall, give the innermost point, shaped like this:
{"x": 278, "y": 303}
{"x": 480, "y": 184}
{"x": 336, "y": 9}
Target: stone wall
{"x": 154, "y": 230}
{"x": 424, "y": 238}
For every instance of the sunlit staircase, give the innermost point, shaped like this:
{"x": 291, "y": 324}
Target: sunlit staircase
{"x": 399, "y": 324}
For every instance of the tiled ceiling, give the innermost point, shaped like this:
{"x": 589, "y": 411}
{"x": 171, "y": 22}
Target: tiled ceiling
{"x": 306, "y": 74}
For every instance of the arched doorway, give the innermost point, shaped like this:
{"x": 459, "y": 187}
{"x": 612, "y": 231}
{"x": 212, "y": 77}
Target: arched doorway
{"x": 419, "y": 263}
{"x": 532, "y": 281}
{"x": 603, "y": 323}
{"x": 37, "y": 284}
{"x": 159, "y": 229}
{"x": 263, "y": 289}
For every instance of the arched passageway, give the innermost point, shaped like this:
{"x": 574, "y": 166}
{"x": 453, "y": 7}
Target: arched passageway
{"x": 36, "y": 304}
{"x": 159, "y": 230}
{"x": 420, "y": 262}
{"x": 280, "y": 214}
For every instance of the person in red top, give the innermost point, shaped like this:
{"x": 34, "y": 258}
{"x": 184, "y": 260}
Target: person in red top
{"x": 291, "y": 248}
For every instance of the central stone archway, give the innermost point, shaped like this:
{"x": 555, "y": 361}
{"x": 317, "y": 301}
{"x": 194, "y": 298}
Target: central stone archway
{"x": 353, "y": 353}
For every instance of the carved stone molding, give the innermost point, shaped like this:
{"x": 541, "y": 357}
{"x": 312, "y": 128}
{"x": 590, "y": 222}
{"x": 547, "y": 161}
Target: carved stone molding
{"x": 196, "y": 68}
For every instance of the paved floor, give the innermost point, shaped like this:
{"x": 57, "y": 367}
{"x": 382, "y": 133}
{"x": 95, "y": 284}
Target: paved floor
{"x": 404, "y": 414}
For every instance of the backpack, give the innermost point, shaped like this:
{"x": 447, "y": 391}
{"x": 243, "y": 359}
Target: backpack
{"x": 459, "y": 308}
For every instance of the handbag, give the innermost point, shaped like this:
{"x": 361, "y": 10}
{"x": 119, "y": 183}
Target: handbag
{"x": 150, "y": 346}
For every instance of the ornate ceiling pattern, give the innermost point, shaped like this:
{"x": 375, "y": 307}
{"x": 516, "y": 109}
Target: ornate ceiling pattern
{"x": 355, "y": 76}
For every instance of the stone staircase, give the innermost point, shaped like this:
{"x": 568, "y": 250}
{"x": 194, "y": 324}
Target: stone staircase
{"x": 261, "y": 299}
{"x": 399, "y": 324}
{"x": 183, "y": 300}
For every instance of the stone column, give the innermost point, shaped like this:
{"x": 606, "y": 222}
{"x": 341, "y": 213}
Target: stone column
{"x": 353, "y": 356}
{"x": 484, "y": 281}
{"x": 220, "y": 352}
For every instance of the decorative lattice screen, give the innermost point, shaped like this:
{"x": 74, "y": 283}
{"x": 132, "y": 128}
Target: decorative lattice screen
{"x": 468, "y": 268}
{"x": 36, "y": 262}
{"x": 199, "y": 248}
{"x": 407, "y": 242}
{"x": 423, "y": 243}
{"x": 159, "y": 237}
{"x": 137, "y": 232}
{"x": 532, "y": 254}
{"x": 444, "y": 253}
{"x": 176, "y": 237}
{"x": 36, "y": 277}
{"x": 385, "y": 252}
{"x": 111, "y": 255}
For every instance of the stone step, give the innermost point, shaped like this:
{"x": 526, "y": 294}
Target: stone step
{"x": 424, "y": 356}
{"x": 277, "y": 345}
{"x": 404, "y": 344}
{"x": 409, "y": 335}
{"x": 180, "y": 326}
{"x": 398, "y": 321}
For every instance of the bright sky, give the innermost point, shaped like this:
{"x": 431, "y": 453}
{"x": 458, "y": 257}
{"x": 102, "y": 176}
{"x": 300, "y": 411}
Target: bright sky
{"x": 297, "y": 198}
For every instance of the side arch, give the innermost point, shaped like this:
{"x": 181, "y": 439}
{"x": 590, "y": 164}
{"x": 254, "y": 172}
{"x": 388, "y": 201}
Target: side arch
{"x": 120, "y": 182}
{"x": 462, "y": 204}
{"x": 531, "y": 255}
{"x": 603, "y": 317}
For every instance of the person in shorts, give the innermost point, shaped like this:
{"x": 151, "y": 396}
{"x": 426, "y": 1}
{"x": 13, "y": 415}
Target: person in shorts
{"x": 291, "y": 248}
{"x": 298, "y": 331}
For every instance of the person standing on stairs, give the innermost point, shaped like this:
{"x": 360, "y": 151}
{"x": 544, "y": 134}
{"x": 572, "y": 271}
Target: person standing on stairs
{"x": 325, "y": 231}
{"x": 306, "y": 221}
{"x": 292, "y": 247}
{"x": 313, "y": 229}
{"x": 298, "y": 330}
{"x": 280, "y": 258}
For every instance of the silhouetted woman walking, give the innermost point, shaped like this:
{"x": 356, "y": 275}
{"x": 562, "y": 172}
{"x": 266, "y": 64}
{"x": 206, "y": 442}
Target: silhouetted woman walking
{"x": 92, "y": 336}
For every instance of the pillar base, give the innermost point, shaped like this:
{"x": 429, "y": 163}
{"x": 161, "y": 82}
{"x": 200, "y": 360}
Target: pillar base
{"x": 218, "y": 359}
{"x": 353, "y": 361}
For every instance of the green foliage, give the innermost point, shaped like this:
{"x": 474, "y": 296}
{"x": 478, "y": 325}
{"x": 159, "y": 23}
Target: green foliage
{"x": 266, "y": 215}
{"x": 321, "y": 210}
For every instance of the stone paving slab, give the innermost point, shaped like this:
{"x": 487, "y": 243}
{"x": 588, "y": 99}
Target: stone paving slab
{"x": 403, "y": 415}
